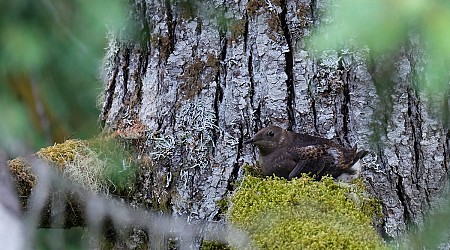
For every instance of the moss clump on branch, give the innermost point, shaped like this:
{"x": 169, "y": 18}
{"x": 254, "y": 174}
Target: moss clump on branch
{"x": 305, "y": 214}
{"x": 100, "y": 165}
{"x": 24, "y": 179}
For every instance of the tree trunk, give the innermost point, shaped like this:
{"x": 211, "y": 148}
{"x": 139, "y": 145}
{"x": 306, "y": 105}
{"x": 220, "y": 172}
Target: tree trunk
{"x": 206, "y": 75}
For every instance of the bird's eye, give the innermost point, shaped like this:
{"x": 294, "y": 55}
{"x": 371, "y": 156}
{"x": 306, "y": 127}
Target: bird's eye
{"x": 270, "y": 133}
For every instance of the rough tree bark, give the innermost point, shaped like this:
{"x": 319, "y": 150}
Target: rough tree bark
{"x": 204, "y": 76}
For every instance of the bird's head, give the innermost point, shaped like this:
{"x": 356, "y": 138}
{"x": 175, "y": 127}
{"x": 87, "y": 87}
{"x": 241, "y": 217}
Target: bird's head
{"x": 269, "y": 139}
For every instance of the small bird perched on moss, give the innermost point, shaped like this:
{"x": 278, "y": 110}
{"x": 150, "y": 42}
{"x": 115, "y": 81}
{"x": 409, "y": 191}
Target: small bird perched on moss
{"x": 288, "y": 154}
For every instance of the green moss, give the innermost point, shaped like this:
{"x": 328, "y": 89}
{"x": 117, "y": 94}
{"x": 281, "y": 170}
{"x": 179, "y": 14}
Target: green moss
{"x": 100, "y": 165}
{"x": 211, "y": 245}
{"x": 305, "y": 214}
{"x": 61, "y": 153}
{"x": 121, "y": 169}
{"x": 222, "y": 204}
{"x": 24, "y": 178}
{"x": 253, "y": 170}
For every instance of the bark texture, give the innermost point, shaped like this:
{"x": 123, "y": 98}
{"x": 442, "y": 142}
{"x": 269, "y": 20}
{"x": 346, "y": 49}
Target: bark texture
{"x": 206, "y": 75}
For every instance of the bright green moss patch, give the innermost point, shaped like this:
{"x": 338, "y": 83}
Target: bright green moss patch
{"x": 305, "y": 214}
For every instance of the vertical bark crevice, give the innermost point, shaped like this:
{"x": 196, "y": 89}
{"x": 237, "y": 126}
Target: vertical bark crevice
{"x": 198, "y": 28}
{"x": 402, "y": 198}
{"x": 126, "y": 74}
{"x": 236, "y": 166}
{"x": 345, "y": 103}
{"x": 446, "y": 109}
{"x": 251, "y": 92}
{"x": 245, "y": 32}
{"x": 222, "y": 71}
{"x": 137, "y": 93}
{"x": 144, "y": 35}
{"x": 217, "y": 101}
{"x": 143, "y": 66}
{"x": 171, "y": 23}
{"x": 313, "y": 7}
{"x": 414, "y": 117}
{"x": 109, "y": 92}
{"x": 313, "y": 103}
{"x": 446, "y": 152}
{"x": 289, "y": 57}
{"x": 134, "y": 80}
{"x": 145, "y": 50}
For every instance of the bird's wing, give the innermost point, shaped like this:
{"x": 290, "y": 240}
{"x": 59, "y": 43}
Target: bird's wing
{"x": 312, "y": 159}
{"x": 302, "y": 166}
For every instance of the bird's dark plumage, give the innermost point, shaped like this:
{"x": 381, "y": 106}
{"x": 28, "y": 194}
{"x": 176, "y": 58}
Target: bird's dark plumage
{"x": 288, "y": 154}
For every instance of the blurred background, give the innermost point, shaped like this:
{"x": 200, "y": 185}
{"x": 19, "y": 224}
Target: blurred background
{"x": 50, "y": 59}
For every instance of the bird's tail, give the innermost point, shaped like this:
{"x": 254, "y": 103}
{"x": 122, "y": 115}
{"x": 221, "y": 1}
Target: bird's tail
{"x": 361, "y": 154}
{"x": 355, "y": 167}
{"x": 356, "y": 155}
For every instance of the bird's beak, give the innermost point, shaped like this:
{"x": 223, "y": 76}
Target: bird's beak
{"x": 248, "y": 141}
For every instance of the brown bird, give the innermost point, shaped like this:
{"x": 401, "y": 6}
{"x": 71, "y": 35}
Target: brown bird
{"x": 288, "y": 154}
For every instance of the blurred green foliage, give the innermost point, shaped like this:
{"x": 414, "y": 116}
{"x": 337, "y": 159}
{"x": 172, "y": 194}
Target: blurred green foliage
{"x": 50, "y": 56}
{"x": 68, "y": 239}
{"x": 386, "y": 26}
{"x": 434, "y": 232}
